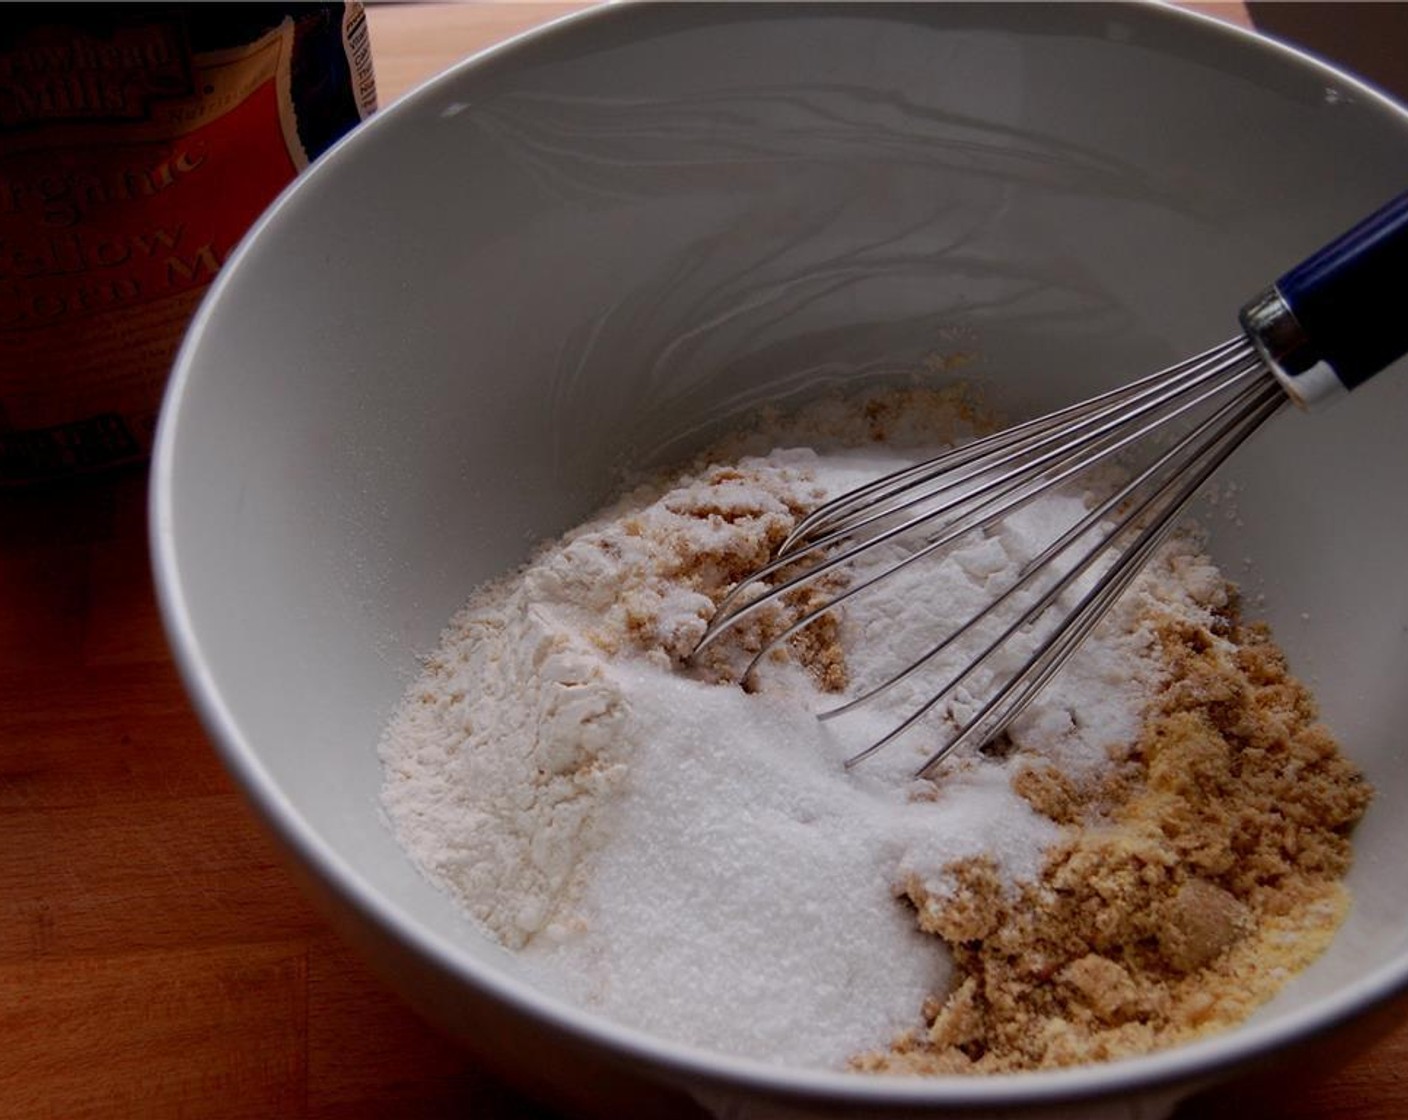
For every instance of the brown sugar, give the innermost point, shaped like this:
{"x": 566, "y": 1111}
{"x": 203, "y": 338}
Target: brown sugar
{"x": 707, "y": 538}
{"x": 1187, "y": 888}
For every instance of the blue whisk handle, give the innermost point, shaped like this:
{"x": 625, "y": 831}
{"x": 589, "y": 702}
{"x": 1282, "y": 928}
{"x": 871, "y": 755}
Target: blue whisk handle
{"x": 1341, "y": 315}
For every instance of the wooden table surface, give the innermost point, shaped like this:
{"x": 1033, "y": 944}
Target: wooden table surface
{"x": 156, "y": 959}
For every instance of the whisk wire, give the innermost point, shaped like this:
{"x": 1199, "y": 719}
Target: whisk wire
{"x": 1242, "y": 415}
{"x": 1264, "y": 400}
{"x": 1007, "y": 493}
{"x": 1047, "y": 556}
{"x": 1030, "y": 433}
{"x": 1052, "y": 452}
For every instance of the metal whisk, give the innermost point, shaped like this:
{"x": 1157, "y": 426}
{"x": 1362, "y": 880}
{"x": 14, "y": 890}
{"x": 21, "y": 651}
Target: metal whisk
{"x": 1324, "y": 327}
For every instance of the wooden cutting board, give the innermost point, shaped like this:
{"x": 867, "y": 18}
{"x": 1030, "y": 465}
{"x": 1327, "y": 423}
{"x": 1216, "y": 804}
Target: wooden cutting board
{"x": 156, "y": 959}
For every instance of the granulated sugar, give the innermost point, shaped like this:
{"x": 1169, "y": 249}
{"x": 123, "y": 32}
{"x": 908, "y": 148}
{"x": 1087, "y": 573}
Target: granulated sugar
{"x": 693, "y": 859}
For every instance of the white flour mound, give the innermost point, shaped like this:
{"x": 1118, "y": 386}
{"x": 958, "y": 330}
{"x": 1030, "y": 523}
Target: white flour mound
{"x": 694, "y": 860}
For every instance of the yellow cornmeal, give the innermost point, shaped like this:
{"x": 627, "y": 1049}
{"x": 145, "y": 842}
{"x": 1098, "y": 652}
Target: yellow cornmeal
{"x": 1188, "y": 888}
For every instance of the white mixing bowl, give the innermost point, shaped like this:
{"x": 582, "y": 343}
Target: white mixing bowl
{"x": 589, "y": 247}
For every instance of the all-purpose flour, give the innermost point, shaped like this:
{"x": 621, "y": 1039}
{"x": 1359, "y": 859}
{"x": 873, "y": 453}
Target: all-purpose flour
{"x": 693, "y": 859}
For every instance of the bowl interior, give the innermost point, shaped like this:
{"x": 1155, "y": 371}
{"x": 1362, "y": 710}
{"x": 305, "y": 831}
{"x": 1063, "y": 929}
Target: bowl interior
{"x": 588, "y": 251}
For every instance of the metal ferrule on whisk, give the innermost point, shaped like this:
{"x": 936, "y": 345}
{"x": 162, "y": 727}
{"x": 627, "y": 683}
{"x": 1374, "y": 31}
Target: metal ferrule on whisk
{"x": 1287, "y": 350}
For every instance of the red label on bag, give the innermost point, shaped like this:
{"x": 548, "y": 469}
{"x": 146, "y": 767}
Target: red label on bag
{"x": 69, "y": 251}
{"x": 130, "y": 167}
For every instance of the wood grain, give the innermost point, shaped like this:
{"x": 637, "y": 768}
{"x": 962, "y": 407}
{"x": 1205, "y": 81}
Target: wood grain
{"x": 156, "y": 959}
{"x": 413, "y": 42}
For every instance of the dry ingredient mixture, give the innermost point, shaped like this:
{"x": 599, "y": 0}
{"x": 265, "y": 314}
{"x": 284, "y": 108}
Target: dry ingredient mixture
{"x": 1156, "y": 849}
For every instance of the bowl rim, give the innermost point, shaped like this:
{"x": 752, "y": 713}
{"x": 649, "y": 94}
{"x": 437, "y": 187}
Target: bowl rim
{"x": 1199, "y": 1062}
